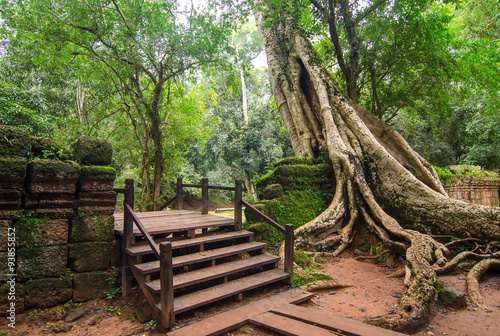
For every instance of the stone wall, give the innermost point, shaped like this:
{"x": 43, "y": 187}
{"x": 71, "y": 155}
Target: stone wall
{"x": 472, "y": 185}
{"x": 56, "y": 223}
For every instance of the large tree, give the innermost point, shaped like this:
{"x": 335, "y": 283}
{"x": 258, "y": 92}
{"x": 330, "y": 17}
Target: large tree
{"x": 380, "y": 181}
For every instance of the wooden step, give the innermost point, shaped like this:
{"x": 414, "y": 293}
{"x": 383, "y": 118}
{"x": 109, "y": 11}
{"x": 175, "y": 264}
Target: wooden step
{"x": 188, "y": 259}
{"x": 289, "y": 327}
{"x": 222, "y": 291}
{"x": 209, "y": 273}
{"x": 332, "y": 322}
{"x": 232, "y": 319}
{"x": 144, "y": 248}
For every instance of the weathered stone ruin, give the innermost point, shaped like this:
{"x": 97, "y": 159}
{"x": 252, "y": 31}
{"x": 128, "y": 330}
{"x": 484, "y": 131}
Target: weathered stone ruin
{"x": 59, "y": 207}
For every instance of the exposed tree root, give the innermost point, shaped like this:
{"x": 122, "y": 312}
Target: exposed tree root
{"x": 324, "y": 285}
{"x": 475, "y": 275}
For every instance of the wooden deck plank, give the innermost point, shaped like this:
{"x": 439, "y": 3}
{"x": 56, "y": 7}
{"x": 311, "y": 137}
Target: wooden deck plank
{"x": 206, "y": 274}
{"x": 177, "y": 226}
{"x": 289, "y": 327}
{"x": 199, "y": 240}
{"x": 222, "y": 291}
{"x": 154, "y": 266}
{"x": 227, "y": 321}
{"x": 173, "y": 221}
{"x": 332, "y": 322}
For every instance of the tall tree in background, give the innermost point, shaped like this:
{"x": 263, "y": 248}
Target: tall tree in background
{"x": 135, "y": 50}
{"x": 380, "y": 181}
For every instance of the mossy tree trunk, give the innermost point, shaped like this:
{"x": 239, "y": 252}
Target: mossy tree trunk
{"x": 381, "y": 182}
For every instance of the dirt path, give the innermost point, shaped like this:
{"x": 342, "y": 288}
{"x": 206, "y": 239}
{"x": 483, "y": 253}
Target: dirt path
{"x": 372, "y": 293}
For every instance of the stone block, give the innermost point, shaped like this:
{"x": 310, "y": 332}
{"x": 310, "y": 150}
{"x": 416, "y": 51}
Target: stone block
{"x": 14, "y": 141}
{"x": 52, "y": 177}
{"x": 51, "y": 205}
{"x": 48, "y": 292}
{"x": 93, "y": 203}
{"x": 12, "y": 172}
{"x": 41, "y": 262}
{"x": 273, "y": 191}
{"x": 86, "y": 257}
{"x": 5, "y": 267}
{"x": 91, "y": 285}
{"x": 93, "y": 151}
{"x": 47, "y": 149}
{"x": 92, "y": 228}
{"x": 452, "y": 297}
{"x": 42, "y": 232}
{"x": 4, "y": 234}
{"x": 10, "y": 203}
{"x": 11, "y": 293}
{"x": 96, "y": 178}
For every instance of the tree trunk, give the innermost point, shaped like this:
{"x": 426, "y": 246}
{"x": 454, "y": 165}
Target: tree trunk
{"x": 381, "y": 182}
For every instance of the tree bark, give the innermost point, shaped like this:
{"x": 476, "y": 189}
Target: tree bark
{"x": 381, "y": 182}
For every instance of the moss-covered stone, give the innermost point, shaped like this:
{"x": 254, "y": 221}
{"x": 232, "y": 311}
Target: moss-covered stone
{"x": 11, "y": 290}
{"x": 45, "y": 148}
{"x": 51, "y": 205}
{"x": 96, "y": 178}
{"x": 10, "y": 203}
{"x": 90, "y": 285}
{"x": 92, "y": 228}
{"x": 86, "y": 257}
{"x": 4, "y": 233}
{"x": 12, "y": 172}
{"x": 41, "y": 232}
{"x": 41, "y": 262}
{"x": 14, "y": 141}
{"x": 52, "y": 176}
{"x": 48, "y": 292}
{"x": 307, "y": 191}
{"x": 273, "y": 191}
{"x": 96, "y": 203}
{"x": 452, "y": 297}
{"x": 93, "y": 151}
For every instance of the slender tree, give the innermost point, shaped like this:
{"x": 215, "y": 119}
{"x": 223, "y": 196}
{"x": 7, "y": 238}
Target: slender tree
{"x": 380, "y": 181}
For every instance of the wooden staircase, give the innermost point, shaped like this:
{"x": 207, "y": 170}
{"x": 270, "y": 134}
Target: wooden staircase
{"x": 182, "y": 260}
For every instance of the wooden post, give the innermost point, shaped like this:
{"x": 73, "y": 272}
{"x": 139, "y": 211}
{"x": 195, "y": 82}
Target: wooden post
{"x": 238, "y": 195}
{"x": 127, "y": 238}
{"x": 179, "y": 193}
{"x": 288, "y": 263}
{"x": 204, "y": 196}
{"x": 166, "y": 285}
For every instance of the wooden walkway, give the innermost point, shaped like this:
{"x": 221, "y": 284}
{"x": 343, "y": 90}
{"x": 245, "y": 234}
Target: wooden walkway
{"x": 279, "y": 314}
{"x": 160, "y": 222}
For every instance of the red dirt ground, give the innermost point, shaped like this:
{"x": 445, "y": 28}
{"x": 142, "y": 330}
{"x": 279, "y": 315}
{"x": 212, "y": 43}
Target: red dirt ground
{"x": 372, "y": 293}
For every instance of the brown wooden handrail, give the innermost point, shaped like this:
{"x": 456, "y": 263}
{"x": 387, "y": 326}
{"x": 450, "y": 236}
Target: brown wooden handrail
{"x": 166, "y": 204}
{"x": 289, "y": 237}
{"x": 272, "y": 222}
{"x": 143, "y": 230}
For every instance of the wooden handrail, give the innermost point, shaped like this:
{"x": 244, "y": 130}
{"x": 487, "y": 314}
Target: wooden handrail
{"x": 166, "y": 204}
{"x": 143, "y": 230}
{"x": 264, "y": 217}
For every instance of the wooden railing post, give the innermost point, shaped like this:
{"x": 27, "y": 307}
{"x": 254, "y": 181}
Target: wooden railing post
{"x": 204, "y": 196}
{"x": 238, "y": 196}
{"x": 127, "y": 238}
{"x": 166, "y": 285}
{"x": 288, "y": 263}
{"x": 179, "y": 193}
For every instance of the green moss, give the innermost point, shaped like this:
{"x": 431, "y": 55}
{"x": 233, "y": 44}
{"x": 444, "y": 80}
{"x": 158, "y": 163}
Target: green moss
{"x": 98, "y": 171}
{"x": 14, "y": 141}
{"x": 53, "y": 168}
{"x": 93, "y": 151}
